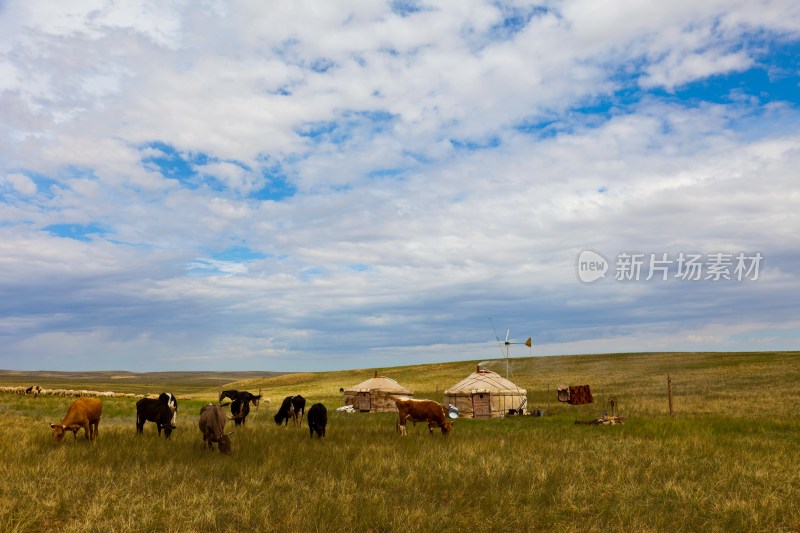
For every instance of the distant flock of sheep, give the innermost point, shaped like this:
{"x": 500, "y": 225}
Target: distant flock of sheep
{"x": 36, "y": 391}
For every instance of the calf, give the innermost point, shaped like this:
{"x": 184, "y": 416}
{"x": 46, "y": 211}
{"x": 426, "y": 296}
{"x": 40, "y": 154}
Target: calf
{"x": 212, "y": 425}
{"x": 82, "y": 413}
{"x": 292, "y": 407}
{"x": 154, "y": 410}
{"x": 422, "y": 411}
{"x": 317, "y": 420}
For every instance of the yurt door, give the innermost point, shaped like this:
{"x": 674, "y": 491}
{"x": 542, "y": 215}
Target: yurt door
{"x": 481, "y": 405}
{"x": 363, "y": 402}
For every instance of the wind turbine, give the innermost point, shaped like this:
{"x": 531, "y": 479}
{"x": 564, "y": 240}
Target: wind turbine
{"x": 507, "y": 343}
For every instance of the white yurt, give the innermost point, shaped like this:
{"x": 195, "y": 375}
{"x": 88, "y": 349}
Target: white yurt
{"x": 485, "y": 394}
{"x": 376, "y": 395}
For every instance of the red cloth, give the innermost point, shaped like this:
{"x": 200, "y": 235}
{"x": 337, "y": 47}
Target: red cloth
{"x": 580, "y": 394}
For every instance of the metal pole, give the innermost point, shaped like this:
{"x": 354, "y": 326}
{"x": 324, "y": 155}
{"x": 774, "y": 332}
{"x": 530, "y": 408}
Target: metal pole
{"x": 507, "y": 358}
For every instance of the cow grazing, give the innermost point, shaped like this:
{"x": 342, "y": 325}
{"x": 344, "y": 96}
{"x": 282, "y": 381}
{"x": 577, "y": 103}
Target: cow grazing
{"x": 240, "y": 406}
{"x": 240, "y": 409}
{"x": 317, "y": 420}
{"x": 171, "y": 402}
{"x": 154, "y": 410}
{"x": 293, "y": 407}
{"x": 422, "y": 411}
{"x": 212, "y": 425}
{"x": 82, "y": 413}
{"x": 240, "y": 395}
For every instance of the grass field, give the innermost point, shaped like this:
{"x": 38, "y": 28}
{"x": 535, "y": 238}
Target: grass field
{"x": 728, "y": 460}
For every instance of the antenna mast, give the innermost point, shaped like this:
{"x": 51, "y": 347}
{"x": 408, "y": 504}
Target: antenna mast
{"x": 507, "y": 343}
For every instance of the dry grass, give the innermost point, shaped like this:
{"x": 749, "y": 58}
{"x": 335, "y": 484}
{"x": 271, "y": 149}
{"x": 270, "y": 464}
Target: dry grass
{"x": 728, "y": 460}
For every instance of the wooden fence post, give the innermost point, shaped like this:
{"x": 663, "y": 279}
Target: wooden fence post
{"x": 669, "y": 393}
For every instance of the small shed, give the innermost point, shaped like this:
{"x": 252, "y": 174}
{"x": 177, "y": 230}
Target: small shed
{"x": 486, "y": 394}
{"x": 376, "y": 395}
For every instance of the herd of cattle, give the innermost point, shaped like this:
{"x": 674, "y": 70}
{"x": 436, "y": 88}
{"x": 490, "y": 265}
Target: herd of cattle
{"x": 85, "y": 413}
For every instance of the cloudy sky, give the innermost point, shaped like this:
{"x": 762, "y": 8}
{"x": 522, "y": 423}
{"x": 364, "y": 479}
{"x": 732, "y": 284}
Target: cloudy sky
{"x": 203, "y": 185}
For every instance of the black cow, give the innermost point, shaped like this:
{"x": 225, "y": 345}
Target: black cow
{"x": 240, "y": 406}
{"x": 292, "y": 407}
{"x": 172, "y": 403}
{"x": 317, "y": 420}
{"x": 240, "y": 409}
{"x": 241, "y": 395}
{"x": 154, "y": 410}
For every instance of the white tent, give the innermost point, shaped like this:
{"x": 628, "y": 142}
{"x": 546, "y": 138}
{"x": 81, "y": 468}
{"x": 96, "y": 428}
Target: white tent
{"x": 376, "y": 395}
{"x": 485, "y": 394}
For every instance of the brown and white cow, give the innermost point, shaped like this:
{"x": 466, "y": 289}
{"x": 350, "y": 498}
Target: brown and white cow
{"x": 422, "y": 411}
{"x": 212, "y": 425}
{"x": 82, "y": 413}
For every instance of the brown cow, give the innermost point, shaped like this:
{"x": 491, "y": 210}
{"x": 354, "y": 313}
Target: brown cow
{"x": 422, "y": 411}
{"x": 212, "y": 424}
{"x": 82, "y": 413}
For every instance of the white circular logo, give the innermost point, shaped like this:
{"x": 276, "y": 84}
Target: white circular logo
{"x": 591, "y": 266}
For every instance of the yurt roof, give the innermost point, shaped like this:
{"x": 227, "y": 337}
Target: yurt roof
{"x": 379, "y": 383}
{"x": 485, "y": 380}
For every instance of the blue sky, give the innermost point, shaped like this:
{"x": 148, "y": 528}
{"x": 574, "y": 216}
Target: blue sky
{"x": 218, "y": 185}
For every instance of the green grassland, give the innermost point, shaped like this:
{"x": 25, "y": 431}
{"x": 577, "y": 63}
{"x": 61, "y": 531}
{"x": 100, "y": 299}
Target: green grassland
{"x": 727, "y": 460}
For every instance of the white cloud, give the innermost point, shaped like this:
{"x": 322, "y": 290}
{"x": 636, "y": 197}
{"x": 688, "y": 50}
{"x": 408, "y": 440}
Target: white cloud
{"x": 436, "y": 169}
{"x": 234, "y": 177}
{"x": 675, "y": 71}
{"x": 22, "y": 184}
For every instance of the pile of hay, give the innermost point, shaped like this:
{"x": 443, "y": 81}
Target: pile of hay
{"x": 603, "y": 421}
